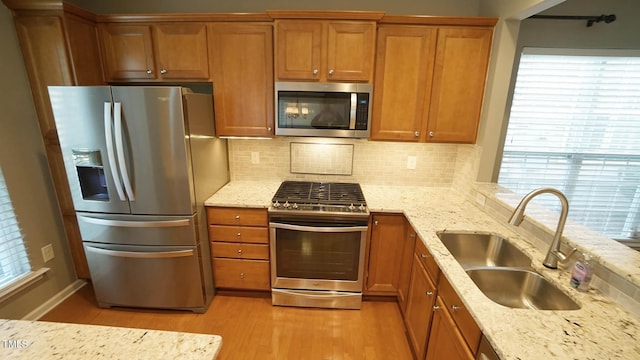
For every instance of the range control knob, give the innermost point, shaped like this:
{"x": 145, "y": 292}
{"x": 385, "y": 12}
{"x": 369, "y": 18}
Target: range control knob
{"x": 362, "y": 208}
{"x": 352, "y": 208}
{"x": 276, "y": 204}
{"x": 286, "y": 204}
{"x": 294, "y": 206}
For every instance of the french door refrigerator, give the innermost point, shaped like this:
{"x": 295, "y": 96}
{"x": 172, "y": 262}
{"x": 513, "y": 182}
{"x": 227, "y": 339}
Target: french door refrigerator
{"x": 141, "y": 161}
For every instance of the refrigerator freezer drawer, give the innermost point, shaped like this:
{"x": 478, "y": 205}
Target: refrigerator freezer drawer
{"x": 138, "y": 229}
{"x": 166, "y": 277}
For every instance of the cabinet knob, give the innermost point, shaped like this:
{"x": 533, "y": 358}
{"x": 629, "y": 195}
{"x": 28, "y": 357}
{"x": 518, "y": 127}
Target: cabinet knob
{"x": 238, "y": 235}
{"x": 436, "y": 308}
{"x": 315, "y": 71}
{"x": 412, "y": 235}
{"x": 237, "y": 217}
{"x": 331, "y": 72}
{"x": 163, "y": 71}
{"x": 429, "y": 293}
{"x": 455, "y": 308}
{"x": 269, "y": 129}
{"x": 149, "y": 72}
{"x": 241, "y": 275}
{"x": 424, "y": 256}
{"x": 240, "y": 251}
{"x": 417, "y": 133}
{"x": 431, "y": 133}
{"x": 375, "y": 222}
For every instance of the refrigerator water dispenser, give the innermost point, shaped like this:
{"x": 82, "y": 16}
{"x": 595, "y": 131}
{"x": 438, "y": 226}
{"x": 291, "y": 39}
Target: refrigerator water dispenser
{"x": 91, "y": 174}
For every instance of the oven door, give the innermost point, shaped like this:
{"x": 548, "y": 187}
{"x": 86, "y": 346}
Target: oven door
{"x": 310, "y": 255}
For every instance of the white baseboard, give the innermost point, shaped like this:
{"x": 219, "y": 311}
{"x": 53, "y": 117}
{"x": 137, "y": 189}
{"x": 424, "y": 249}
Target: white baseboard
{"x": 41, "y": 310}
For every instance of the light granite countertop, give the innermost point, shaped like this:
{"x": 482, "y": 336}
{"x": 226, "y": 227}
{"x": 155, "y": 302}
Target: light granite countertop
{"x": 600, "y": 329}
{"x": 20, "y": 339}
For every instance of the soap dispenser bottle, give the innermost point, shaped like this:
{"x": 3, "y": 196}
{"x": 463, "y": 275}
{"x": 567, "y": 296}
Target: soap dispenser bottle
{"x": 581, "y": 274}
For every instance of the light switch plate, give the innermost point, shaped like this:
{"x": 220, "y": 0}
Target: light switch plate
{"x": 47, "y": 253}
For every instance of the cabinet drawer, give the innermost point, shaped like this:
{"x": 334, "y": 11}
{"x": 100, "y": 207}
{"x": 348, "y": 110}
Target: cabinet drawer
{"x": 427, "y": 260}
{"x": 237, "y": 216}
{"x": 240, "y": 250}
{"x": 241, "y": 274}
{"x": 245, "y": 234}
{"x": 467, "y": 325}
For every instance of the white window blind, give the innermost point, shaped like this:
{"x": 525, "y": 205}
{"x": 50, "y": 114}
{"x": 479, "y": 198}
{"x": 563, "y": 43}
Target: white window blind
{"x": 575, "y": 125}
{"x": 14, "y": 261}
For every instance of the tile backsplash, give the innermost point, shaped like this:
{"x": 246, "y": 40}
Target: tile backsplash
{"x": 374, "y": 162}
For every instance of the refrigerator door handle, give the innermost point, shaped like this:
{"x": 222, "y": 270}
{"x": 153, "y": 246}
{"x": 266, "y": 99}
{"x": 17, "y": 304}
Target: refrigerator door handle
{"x": 111, "y": 152}
{"x": 142, "y": 255}
{"x": 117, "y": 116}
{"x": 135, "y": 224}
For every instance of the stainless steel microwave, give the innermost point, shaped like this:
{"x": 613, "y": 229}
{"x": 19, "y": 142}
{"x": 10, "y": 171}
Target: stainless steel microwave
{"x": 323, "y": 109}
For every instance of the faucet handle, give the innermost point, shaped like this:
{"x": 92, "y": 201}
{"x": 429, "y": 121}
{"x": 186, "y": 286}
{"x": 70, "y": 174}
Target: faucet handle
{"x": 562, "y": 258}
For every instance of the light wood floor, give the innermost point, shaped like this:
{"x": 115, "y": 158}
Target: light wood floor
{"x": 251, "y": 328}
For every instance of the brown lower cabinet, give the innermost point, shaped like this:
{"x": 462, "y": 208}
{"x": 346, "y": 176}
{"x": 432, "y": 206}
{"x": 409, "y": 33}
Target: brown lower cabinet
{"x": 239, "y": 248}
{"x": 445, "y": 340}
{"x": 438, "y": 324}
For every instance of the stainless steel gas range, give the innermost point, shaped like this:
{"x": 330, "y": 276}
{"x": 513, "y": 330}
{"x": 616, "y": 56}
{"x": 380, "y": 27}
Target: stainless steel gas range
{"x": 318, "y": 240}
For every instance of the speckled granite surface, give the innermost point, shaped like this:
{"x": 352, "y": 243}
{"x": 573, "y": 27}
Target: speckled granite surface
{"x": 45, "y": 340}
{"x": 599, "y": 330}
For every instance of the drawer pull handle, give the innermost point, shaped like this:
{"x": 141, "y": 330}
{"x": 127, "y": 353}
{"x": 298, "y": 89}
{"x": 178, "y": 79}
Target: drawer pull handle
{"x": 241, "y": 275}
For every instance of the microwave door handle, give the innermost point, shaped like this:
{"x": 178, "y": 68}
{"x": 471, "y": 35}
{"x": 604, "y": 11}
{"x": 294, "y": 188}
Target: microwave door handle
{"x": 354, "y": 107}
{"x": 117, "y": 116}
{"x": 111, "y": 155}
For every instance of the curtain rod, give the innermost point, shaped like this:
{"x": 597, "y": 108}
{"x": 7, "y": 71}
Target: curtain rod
{"x": 590, "y": 19}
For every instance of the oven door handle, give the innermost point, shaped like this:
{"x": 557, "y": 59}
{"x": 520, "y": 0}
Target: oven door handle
{"x": 323, "y": 229}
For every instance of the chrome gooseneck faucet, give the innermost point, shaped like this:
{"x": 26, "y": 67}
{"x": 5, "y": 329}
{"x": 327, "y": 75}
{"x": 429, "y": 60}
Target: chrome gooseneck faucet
{"x": 554, "y": 254}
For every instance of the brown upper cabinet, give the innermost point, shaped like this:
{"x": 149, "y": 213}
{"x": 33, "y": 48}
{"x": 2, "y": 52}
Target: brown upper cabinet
{"x": 242, "y": 69}
{"x": 155, "y": 51}
{"x": 317, "y": 50}
{"x": 430, "y": 82}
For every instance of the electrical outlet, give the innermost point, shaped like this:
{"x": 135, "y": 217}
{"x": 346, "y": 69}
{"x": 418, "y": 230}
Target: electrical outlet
{"x": 255, "y": 157}
{"x": 47, "y": 253}
{"x": 481, "y": 199}
{"x": 411, "y": 162}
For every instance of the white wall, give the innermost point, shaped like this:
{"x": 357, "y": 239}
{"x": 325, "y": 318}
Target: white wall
{"x": 24, "y": 164}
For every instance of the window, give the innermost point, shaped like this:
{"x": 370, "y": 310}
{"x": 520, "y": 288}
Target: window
{"x": 575, "y": 125}
{"x": 14, "y": 261}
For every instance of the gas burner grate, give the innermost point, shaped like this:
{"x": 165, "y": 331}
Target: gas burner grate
{"x": 319, "y": 193}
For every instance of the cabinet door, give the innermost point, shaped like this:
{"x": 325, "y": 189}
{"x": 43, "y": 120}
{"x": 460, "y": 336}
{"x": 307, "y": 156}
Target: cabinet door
{"x": 242, "y": 66}
{"x": 299, "y": 49}
{"x": 406, "y": 260}
{"x": 127, "y": 52}
{"x": 350, "y": 51}
{"x": 422, "y": 295}
{"x": 385, "y": 251}
{"x": 445, "y": 341}
{"x": 404, "y": 65}
{"x": 181, "y": 51}
{"x": 462, "y": 57}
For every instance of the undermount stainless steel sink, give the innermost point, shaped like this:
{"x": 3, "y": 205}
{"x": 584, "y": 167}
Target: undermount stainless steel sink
{"x": 475, "y": 249}
{"x": 503, "y": 272}
{"x": 519, "y": 288}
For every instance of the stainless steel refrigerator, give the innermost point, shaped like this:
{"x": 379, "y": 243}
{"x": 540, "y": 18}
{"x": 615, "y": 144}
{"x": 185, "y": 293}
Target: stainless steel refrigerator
{"x": 141, "y": 161}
